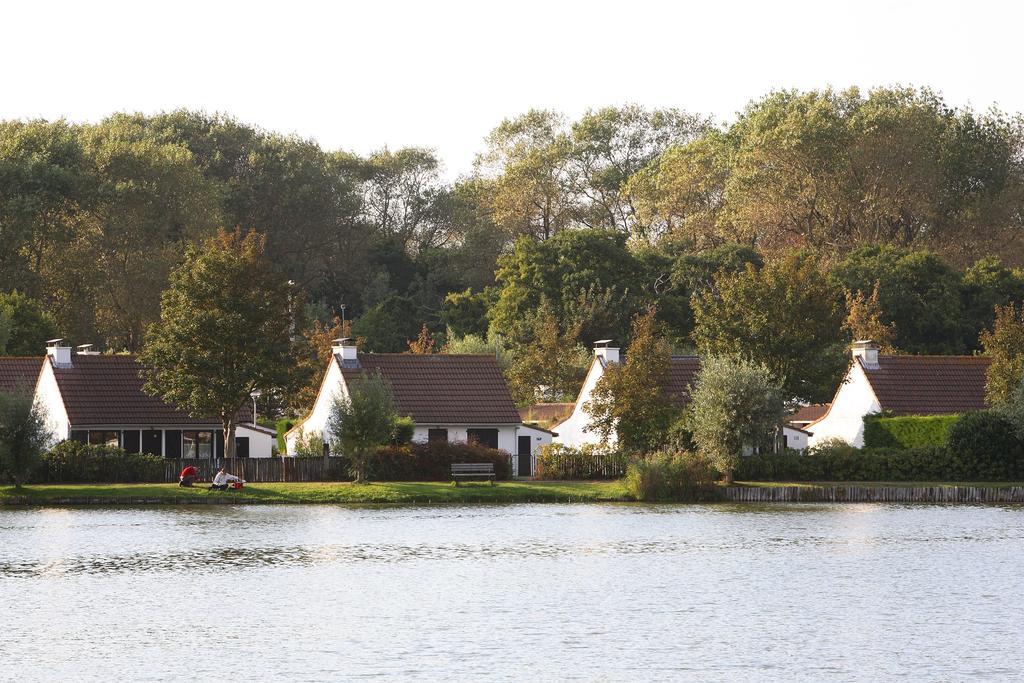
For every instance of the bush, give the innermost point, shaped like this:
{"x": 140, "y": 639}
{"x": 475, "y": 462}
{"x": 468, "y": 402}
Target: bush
{"x": 842, "y": 462}
{"x": 73, "y": 462}
{"x": 282, "y": 426}
{"x": 988, "y": 445}
{"x": 309, "y": 446}
{"x": 432, "y": 461}
{"x": 672, "y": 476}
{"x": 912, "y": 431}
{"x": 555, "y": 461}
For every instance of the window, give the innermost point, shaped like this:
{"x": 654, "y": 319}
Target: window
{"x": 105, "y": 439}
{"x": 483, "y": 437}
{"x": 437, "y": 435}
{"x": 197, "y": 444}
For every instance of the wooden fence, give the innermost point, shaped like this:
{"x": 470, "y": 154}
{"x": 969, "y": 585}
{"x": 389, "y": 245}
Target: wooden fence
{"x": 875, "y": 494}
{"x": 263, "y": 470}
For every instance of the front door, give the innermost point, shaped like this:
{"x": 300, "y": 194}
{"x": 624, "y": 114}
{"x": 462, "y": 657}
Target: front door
{"x": 525, "y": 459}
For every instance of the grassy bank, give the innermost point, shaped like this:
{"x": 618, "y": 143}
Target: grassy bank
{"x": 388, "y": 492}
{"x": 328, "y": 492}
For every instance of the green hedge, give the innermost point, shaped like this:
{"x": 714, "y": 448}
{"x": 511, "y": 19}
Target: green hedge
{"x": 71, "y": 462}
{"x": 433, "y": 461}
{"x": 912, "y": 431}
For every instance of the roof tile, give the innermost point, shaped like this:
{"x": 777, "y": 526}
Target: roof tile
{"x": 929, "y": 385}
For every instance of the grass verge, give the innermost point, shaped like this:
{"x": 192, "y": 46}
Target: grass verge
{"x": 326, "y": 492}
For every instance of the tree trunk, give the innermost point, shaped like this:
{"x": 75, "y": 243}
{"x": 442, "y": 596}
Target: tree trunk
{"x": 229, "y": 437}
{"x": 727, "y": 478}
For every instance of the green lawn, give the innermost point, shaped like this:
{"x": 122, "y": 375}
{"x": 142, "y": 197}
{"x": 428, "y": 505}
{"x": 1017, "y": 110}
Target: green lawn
{"x": 328, "y": 492}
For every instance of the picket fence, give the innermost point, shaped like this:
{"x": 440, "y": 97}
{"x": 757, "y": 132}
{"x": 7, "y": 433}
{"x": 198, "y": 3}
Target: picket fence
{"x": 263, "y": 470}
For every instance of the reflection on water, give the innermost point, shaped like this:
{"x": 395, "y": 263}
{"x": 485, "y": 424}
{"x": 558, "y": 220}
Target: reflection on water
{"x": 847, "y": 592}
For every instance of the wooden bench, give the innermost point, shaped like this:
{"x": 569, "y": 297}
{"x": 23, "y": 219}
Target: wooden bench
{"x": 478, "y": 470}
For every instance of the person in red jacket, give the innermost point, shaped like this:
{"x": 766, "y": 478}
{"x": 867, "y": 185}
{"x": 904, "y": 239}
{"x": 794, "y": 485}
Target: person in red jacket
{"x": 188, "y": 476}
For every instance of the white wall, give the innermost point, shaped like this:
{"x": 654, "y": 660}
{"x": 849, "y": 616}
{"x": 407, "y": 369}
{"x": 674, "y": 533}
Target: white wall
{"x": 317, "y": 422}
{"x": 261, "y": 444}
{"x": 48, "y": 396}
{"x": 506, "y": 434}
{"x": 795, "y": 439}
{"x": 845, "y": 418}
{"x": 575, "y": 430}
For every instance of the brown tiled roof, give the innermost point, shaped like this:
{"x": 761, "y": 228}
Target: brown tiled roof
{"x": 17, "y": 372}
{"x": 808, "y": 413}
{"x": 442, "y": 388}
{"x": 107, "y": 390}
{"x": 546, "y": 415}
{"x": 929, "y": 385}
{"x": 682, "y": 375}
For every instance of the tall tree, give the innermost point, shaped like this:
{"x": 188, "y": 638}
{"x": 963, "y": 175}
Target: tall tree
{"x": 864, "y": 319}
{"x": 29, "y": 325}
{"x": 629, "y": 400}
{"x": 1004, "y": 344}
{"x": 551, "y": 366}
{"x": 363, "y": 420}
{"x": 735, "y": 403}
{"x": 919, "y": 293}
{"x": 24, "y": 434}
{"x": 224, "y": 330}
{"x": 786, "y": 315}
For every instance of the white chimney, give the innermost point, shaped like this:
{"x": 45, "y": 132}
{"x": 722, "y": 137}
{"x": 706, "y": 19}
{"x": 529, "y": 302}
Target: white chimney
{"x": 607, "y": 353}
{"x": 347, "y": 350}
{"x": 867, "y": 351}
{"x": 60, "y": 355}
{"x": 86, "y": 350}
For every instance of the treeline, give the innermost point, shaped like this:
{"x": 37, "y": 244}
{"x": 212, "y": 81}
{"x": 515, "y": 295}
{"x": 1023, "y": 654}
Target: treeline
{"x": 890, "y": 210}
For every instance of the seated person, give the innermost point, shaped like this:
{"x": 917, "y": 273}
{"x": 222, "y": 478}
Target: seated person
{"x": 188, "y": 476}
{"x": 222, "y": 480}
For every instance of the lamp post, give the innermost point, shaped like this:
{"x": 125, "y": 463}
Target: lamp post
{"x": 255, "y": 393}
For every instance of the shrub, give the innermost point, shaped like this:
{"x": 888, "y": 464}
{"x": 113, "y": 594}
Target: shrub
{"x": 282, "y": 426}
{"x": 555, "y": 461}
{"x": 842, "y": 462}
{"x": 73, "y": 462}
{"x": 432, "y": 461}
{"x": 912, "y": 431}
{"x": 403, "y": 432}
{"x": 988, "y": 445}
{"x": 672, "y": 476}
{"x": 309, "y": 446}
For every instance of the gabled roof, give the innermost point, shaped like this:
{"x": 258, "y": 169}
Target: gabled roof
{"x": 441, "y": 388}
{"x": 928, "y": 385}
{"x": 107, "y": 390}
{"x": 19, "y": 372}
{"x": 546, "y": 414}
{"x": 807, "y": 414}
{"x": 682, "y": 375}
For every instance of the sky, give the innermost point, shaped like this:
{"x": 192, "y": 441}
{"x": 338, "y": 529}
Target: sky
{"x": 363, "y": 75}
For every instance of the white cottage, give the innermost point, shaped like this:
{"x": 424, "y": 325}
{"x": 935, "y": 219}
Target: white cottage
{"x": 98, "y": 399}
{"x": 899, "y": 385}
{"x": 576, "y": 430}
{"x": 450, "y": 397}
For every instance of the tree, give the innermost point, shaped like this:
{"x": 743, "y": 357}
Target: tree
{"x": 786, "y": 316}
{"x": 735, "y": 403}
{"x": 864, "y": 319}
{"x": 465, "y": 313}
{"x": 224, "y": 330}
{"x": 551, "y": 366}
{"x": 388, "y": 326}
{"x": 830, "y": 171}
{"x": 919, "y": 294}
{"x": 424, "y": 343}
{"x": 987, "y": 284}
{"x": 28, "y": 324}
{"x": 362, "y": 421}
{"x": 529, "y": 160}
{"x": 589, "y": 277}
{"x": 1004, "y": 344}
{"x": 629, "y": 401}
{"x": 24, "y": 434}
{"x": 493, "y": 345}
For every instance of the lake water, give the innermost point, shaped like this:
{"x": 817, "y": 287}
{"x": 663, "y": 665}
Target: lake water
{"x": 541, "y": 592}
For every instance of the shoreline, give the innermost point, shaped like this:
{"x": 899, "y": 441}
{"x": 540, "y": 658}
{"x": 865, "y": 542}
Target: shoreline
{"x": 508, "y": 492}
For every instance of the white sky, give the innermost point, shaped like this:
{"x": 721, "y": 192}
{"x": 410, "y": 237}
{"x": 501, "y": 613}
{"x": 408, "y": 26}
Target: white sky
{"x": 363, "y": 75}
